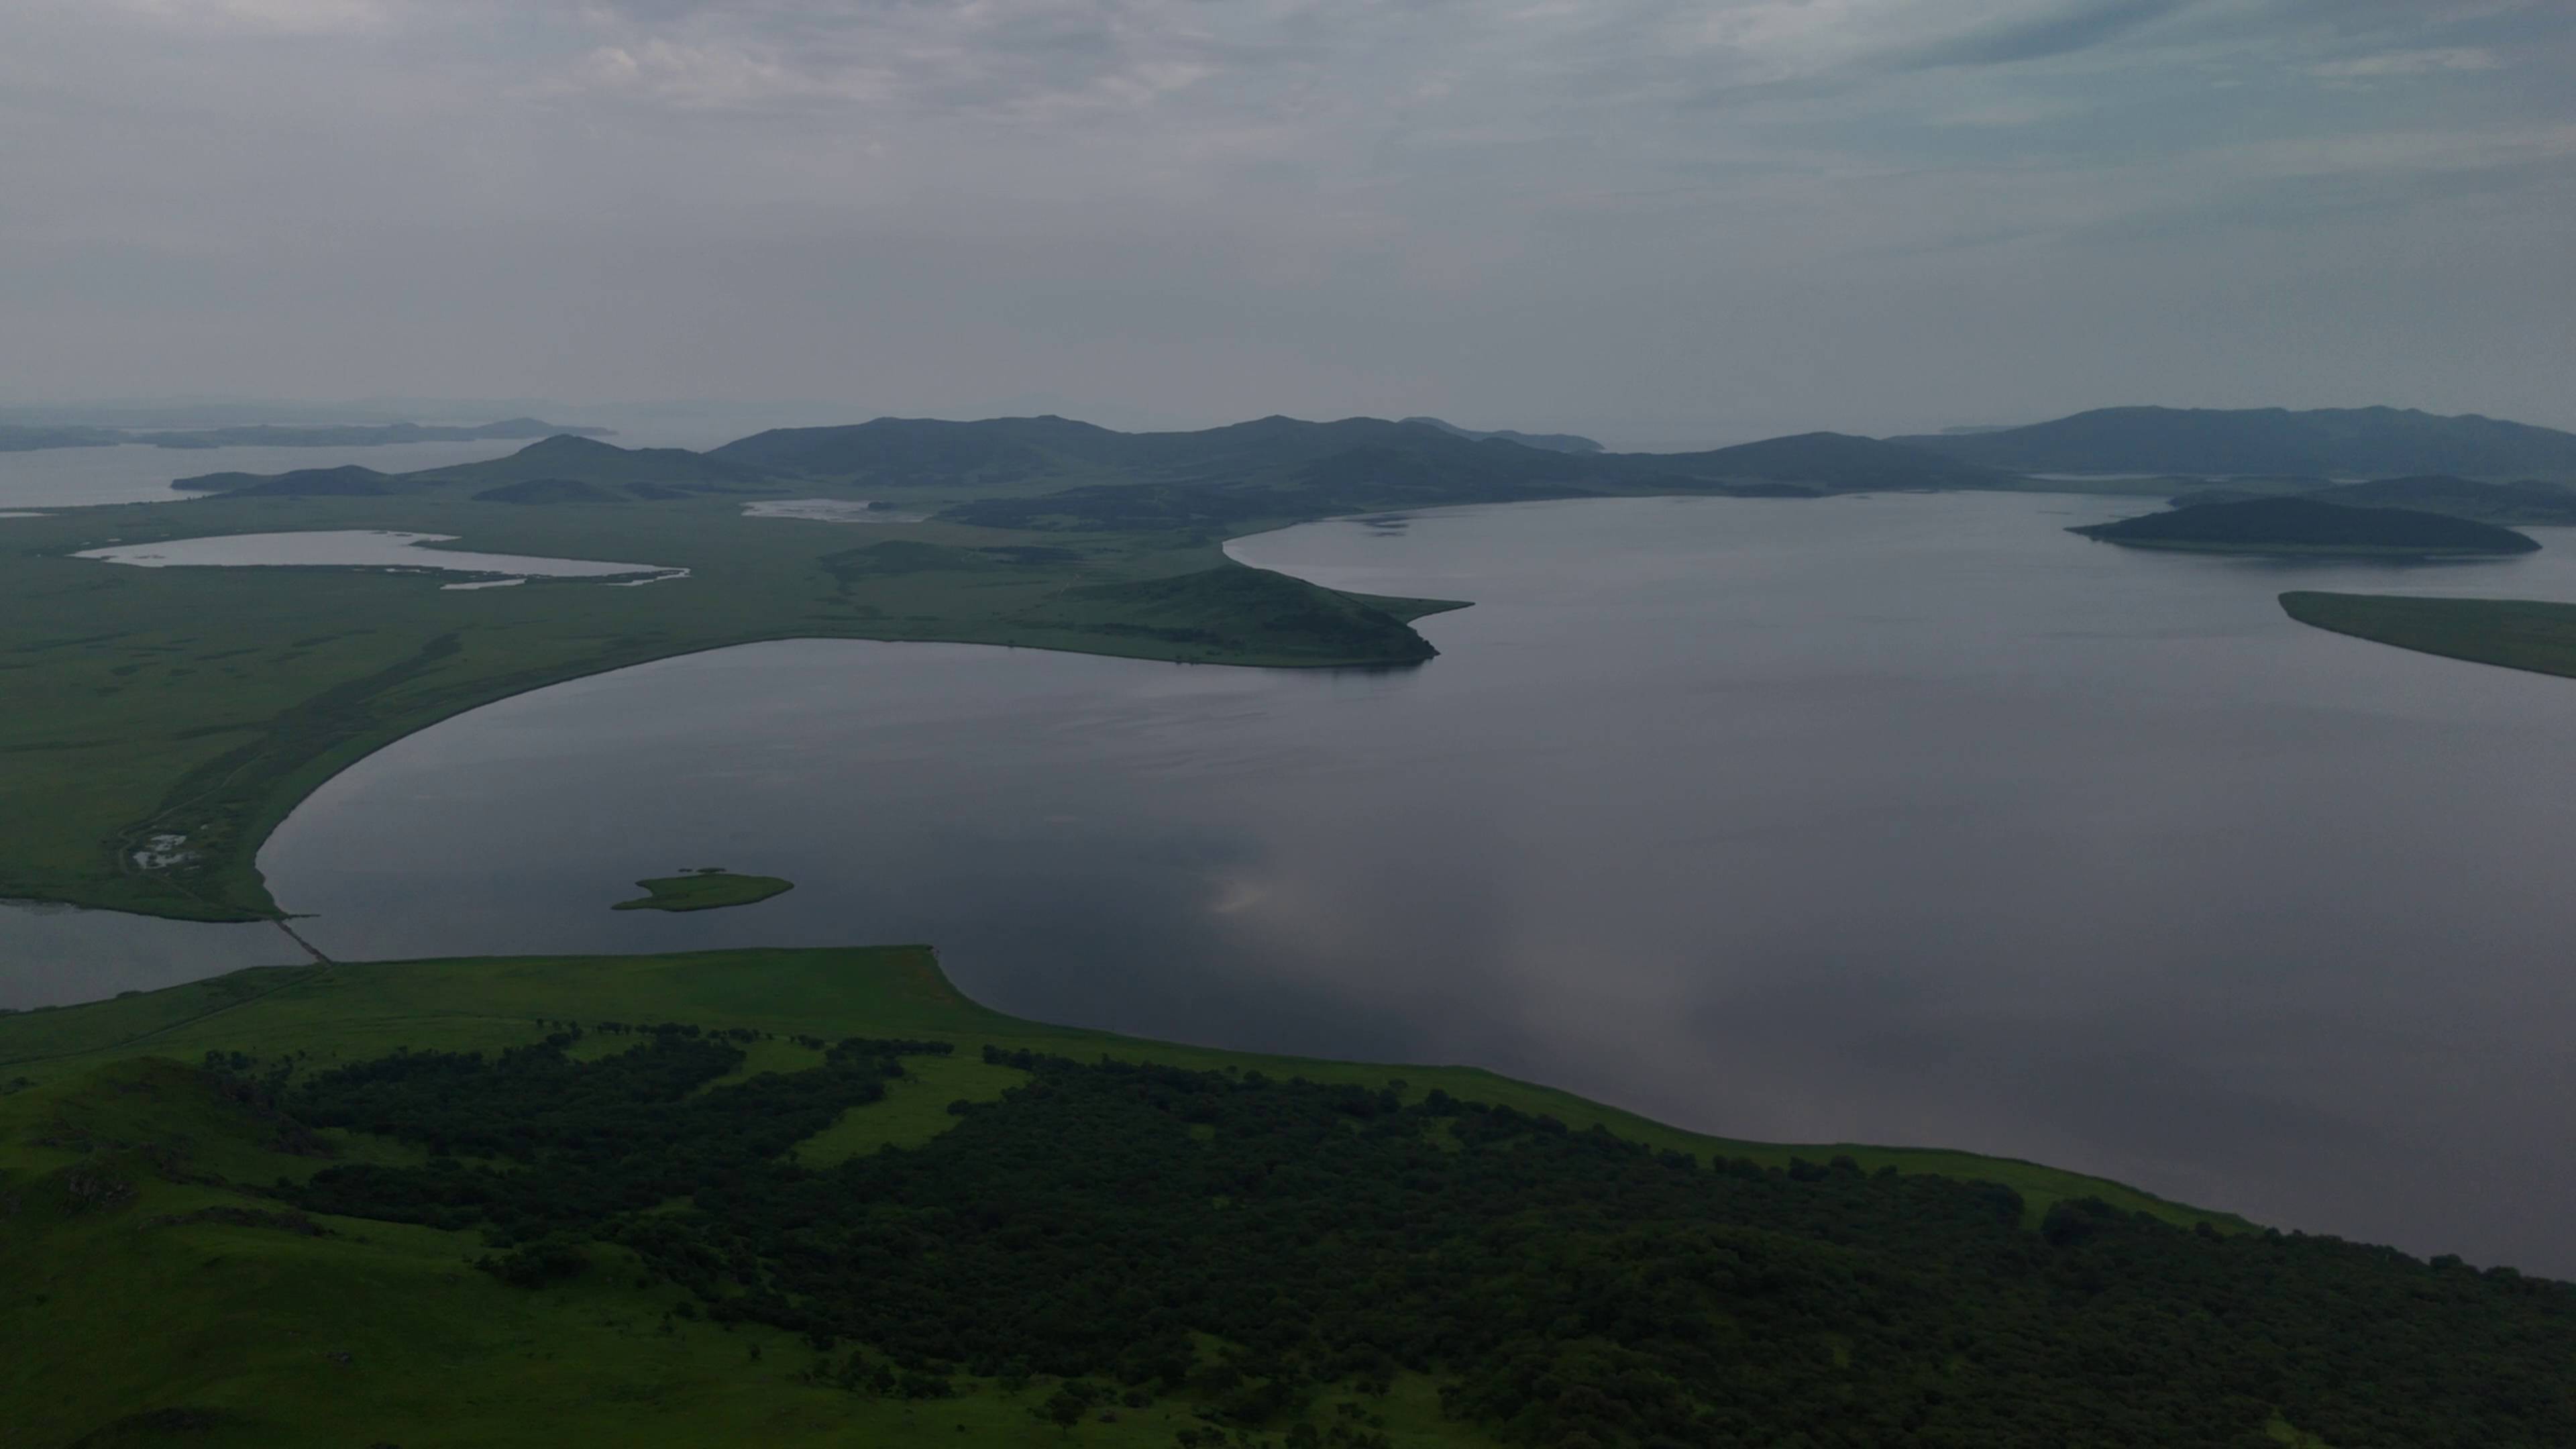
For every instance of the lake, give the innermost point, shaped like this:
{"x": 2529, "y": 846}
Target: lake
{"x": 1897, "y": 819}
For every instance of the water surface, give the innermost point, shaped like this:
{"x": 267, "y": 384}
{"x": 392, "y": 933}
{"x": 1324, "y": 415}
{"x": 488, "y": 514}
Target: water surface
{"x": 1888, "y": 819}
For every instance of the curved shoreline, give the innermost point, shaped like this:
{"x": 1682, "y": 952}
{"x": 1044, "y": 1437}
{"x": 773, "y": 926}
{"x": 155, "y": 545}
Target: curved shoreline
{"x": 215, "y": 815}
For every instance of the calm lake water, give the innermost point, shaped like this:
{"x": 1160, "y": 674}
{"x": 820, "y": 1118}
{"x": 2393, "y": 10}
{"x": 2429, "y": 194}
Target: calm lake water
{"x": 1901, "y": 819}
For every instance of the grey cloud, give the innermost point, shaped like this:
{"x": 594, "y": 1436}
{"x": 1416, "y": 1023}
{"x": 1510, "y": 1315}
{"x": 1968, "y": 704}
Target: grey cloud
{"x": 2064, "y": 33}
{"x": 1665, "y": 221}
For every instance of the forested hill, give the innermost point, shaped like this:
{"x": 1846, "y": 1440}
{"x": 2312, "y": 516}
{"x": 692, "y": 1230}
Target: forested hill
{"x": 1553, "y": 442}
{"x": 2347, "y": 442}
{"x": 1244, "y": 1259}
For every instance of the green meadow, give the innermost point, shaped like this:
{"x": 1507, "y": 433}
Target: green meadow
{"x": 2512, "y": 633}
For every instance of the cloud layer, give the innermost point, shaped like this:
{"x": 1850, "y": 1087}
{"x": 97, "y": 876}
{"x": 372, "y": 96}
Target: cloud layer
{"x": 1666, "y": 221}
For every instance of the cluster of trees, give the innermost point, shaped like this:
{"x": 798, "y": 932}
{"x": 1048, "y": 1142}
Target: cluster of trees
{"x": 1103, "y": 1221}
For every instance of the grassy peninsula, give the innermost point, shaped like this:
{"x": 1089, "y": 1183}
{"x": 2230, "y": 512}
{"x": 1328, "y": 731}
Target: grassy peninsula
{"x": 704, "y": 890}
{"x": 2513, "y": 633}
{"x": 163, "y": 721}
{"x": 2303, "y": 526}
{"x": 817, "y": 1197}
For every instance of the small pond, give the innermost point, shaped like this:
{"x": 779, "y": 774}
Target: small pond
{"x": 366, "y": 548}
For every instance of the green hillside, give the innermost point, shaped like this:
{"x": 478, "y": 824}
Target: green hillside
{"x": 2377, "y": 441}
{"x": 2306, "y": 526}
{"x": 817, "y": 1197}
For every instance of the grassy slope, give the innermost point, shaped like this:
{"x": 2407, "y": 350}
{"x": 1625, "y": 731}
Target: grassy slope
{"x": 208, "y": 702}
{"x": 704, "y": 891}
{"x": 2516, "y": 634}
{"x": 353, "y": 1011}
{"x": 242, "y": 1322}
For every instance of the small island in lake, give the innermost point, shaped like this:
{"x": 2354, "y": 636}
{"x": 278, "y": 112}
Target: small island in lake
{"x": 710, "y": 889}
{"x": 2304, "y": 526}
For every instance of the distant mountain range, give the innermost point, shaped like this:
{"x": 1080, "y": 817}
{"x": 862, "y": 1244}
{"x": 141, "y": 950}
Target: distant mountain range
{"x": 31, "y": 438}
{"x": 1553, "y": 442}
{"x": 2346, "y": 442}
{"x": 1053, "y": 473}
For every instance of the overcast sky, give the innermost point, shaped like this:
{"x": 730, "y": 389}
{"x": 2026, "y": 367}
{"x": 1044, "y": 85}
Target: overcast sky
{"x": 1661, "y": 222}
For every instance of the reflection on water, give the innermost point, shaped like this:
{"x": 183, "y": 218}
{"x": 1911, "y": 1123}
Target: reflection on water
{"x": 1894, "y": 819}
{"x": 363, "y": 548}
{"x": 53, "y": 955}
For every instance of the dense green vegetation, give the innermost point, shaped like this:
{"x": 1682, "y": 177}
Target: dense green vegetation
{"x": 2212, "y": 441}
{"x": 704, "y": 890}
{"x": 2301, "y": 525}
{"x": 164, "y": 720}
{"x": 2515, "y": 633}
{"x": 533, "y": 1202}
{"x": 2527, "y": 502}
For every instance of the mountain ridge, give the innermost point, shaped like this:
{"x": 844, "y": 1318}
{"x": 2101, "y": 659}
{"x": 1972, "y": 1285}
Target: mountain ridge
{"x": 2348, "y": 442}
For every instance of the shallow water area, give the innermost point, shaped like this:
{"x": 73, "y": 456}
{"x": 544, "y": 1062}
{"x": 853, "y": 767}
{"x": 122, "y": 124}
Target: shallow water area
{"x": 360, "y": 548}
{"x": 1904, "y": 818}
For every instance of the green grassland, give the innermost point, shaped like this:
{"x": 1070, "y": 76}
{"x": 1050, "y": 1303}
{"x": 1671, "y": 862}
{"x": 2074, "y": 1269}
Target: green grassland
{"x": 704, "y": 890}
{"x": 2514, "y": 633}
{"x": 205, "y": 703}
{"x": 165, "y": 1278}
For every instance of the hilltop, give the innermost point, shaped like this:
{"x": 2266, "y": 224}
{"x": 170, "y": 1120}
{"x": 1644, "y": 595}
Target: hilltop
{"x": 1553, "y": 442}
{"x": 2303, "y": 525}
{"x": 588, "y": 465}
{"x": 2341, "y": 442}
